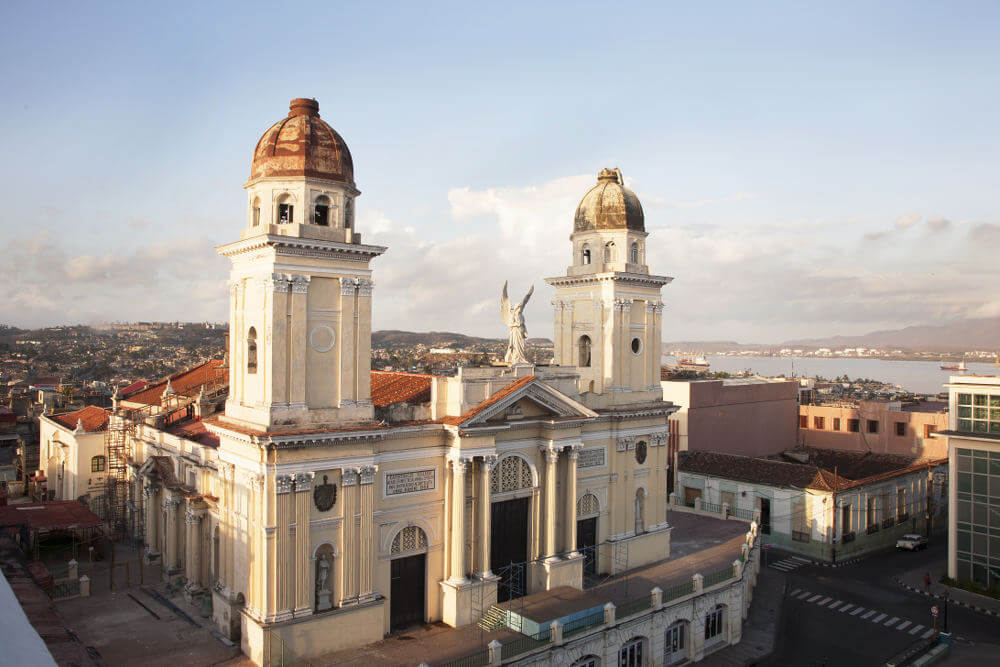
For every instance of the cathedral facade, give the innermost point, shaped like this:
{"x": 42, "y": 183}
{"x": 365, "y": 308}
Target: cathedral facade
{"x": 324, "y": 502}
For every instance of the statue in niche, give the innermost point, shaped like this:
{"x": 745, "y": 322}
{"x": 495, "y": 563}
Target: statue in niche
{"x": 324, "y": 596}
{"x": 513, "y": 317}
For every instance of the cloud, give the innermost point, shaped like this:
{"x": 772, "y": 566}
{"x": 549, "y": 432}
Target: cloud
{"x": 937, "y": 225}
{"x": 907, "y": 221}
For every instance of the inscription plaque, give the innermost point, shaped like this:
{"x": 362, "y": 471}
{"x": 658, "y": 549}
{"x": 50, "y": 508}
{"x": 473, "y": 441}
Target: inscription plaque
{"x": 397, "y": 483}
{"x": 591, "y": 458}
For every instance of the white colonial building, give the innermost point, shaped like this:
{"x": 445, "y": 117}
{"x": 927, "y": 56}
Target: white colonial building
{"x": 328, "y": 505}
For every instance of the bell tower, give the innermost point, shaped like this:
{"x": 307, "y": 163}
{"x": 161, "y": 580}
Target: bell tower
{"x": 300, "y": 287}
{"x": 608, "y": 312}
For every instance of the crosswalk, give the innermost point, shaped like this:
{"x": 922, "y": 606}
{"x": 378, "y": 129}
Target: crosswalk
{"x": 873, "y": 616}
{"x": 790, "y": 563}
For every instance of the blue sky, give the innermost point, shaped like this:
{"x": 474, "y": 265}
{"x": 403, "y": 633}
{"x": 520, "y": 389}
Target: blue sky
{"x": 805, "y": 168}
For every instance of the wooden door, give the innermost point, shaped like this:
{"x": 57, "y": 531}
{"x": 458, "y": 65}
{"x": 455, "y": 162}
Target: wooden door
{"x": 509, "y": 546}
{"x": 407, "y": 592}
{"x": 586, "y": 536}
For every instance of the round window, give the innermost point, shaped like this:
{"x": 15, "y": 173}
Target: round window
{"x": 636, "y": 346}
{"x": 640, "y": 452}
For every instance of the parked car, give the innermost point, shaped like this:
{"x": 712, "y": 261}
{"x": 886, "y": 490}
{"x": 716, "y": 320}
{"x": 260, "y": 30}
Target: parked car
{"x": 911, "y": 542}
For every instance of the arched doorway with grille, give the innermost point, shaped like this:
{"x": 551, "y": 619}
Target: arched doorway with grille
{"x": 588, "y": 510}
{"x": 408, "y": 578}
{"x": 512, "y": 482}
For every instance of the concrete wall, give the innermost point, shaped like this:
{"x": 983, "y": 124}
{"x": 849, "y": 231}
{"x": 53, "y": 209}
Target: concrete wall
{"x": 754, "y": 419}
{"x": 885, "y": 441}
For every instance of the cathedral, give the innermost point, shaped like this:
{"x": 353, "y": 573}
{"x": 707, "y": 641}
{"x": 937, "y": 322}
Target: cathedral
{"x": 302, "y": 493}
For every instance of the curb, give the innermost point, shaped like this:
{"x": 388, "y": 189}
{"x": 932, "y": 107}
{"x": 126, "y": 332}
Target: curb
{"x": 935, "y": 596}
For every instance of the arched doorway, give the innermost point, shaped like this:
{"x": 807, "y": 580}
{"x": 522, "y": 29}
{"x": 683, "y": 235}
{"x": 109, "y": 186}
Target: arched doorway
{"x": 408, "y": 578}
{"x": 588, "y": 508}
{"x": 676, "y": 642}
{"x": 511, "y": 481}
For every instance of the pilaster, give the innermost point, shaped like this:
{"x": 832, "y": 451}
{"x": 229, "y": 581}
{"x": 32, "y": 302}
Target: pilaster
{"x": 366, "y": 543}
{"x": 458, "y": 569}
{"x": 484, "y": 504}
{"x": 551, "y": 471}
{"x": 348, "y": 582}
{"x": 304, "y": 570}
{"x": 347, "y": 337}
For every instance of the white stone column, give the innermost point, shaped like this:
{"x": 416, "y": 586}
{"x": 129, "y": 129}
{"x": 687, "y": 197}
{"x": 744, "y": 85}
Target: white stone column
{"x": 192, "y": 547}
{"x": 483, "y": 482}
{"x": 551, "y": 468}
{"x": 572, "y": 457}
{"x": 171, "y": 536}
{"x": 297, "y": 341}
{"x": 153, "y": 509}
{"x": 458, "y": 467}
{"x": 284, "y": 562}
{"x": 345, "y": 343}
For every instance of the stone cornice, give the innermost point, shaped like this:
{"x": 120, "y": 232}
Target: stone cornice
{"x": 294, "y": 245}
{"x": 637, "y": 279}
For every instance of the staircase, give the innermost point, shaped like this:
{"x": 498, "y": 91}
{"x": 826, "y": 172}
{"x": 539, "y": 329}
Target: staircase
{"x": 494, "y": 619}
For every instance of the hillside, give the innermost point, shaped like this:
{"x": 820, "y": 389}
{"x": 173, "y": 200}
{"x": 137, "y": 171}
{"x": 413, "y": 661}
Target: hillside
{"x": 957, "y": 335}
{"x": 392, "y": 338}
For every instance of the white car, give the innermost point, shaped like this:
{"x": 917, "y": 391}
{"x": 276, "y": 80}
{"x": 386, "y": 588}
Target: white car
{"x": 911, "y": 542}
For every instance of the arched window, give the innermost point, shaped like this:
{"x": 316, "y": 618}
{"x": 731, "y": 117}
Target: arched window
{"x": 632, "y": 653}
{"x": 98, "y": 464}
{"x": 252, "y": 350}
{"x": 715, "y": 624}
{"x": 409, "y": 540}
{"x": 676, "y": 639}
{"x": 286, "y": 212}
{"x": 640, "y": 511}
{"x": 634, "y": 253}
{"x": 588, "y": 661}
{"x": 587, "y": 506}
{"x": 348, "y": 213}
{"x": 255, "y": 212}
{"x": 321, "y": 211}
{"x": 584, "y": 351}
{"x": 511, "y": 474}
{"x": 585, "y": 255}
{"x": 609, "y": 252}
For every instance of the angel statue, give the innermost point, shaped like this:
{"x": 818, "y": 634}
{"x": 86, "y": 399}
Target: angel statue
{"x": 513, "y": 317}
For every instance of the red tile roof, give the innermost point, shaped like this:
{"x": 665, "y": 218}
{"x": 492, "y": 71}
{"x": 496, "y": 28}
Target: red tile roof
{"x": 93, "y": 418}
{"x": 193, "y": 429}
{"x": 186, "y": 382}
{"x": 51, "y": 515}
{"x": 758, "y": 471}
{"x": 133, "y": 388}
{"x": 390, "y": 387}
{"x": 492, "y": 400}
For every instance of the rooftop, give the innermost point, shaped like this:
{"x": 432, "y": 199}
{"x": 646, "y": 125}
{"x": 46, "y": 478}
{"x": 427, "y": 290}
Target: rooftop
{"x": 390, "y": 387}
{"x": 92, "y": 417}
{"x": 52, "y": 515}
{"x": 185, "y": 382}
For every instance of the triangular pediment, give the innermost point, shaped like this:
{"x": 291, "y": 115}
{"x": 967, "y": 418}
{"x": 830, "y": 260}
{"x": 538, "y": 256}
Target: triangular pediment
{"x": 532, "y": 400}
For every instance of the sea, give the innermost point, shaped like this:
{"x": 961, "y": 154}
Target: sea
{"x": 921, "y": 377}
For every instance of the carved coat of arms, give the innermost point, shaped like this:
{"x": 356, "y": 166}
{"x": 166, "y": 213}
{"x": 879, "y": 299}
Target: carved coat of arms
{"x": 325, "y": 495}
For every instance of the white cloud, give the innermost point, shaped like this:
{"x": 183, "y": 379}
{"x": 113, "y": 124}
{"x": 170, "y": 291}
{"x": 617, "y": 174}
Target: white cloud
{"x": 907, "y": 221}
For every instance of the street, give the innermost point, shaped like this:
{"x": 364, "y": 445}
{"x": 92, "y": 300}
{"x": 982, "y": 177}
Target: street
{"x": 858, "y": 615}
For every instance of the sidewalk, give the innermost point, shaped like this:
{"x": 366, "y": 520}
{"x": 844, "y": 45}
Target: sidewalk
{"x": 914, "y": 580}
{"x": 759, "y": 629}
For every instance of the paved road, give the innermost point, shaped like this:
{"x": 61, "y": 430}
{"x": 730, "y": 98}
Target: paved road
{"x": 857, "y": 615}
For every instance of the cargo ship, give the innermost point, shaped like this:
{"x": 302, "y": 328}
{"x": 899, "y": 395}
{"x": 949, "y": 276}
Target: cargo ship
{"x": 698, "y": 364}
{"x": 960, "y": 367}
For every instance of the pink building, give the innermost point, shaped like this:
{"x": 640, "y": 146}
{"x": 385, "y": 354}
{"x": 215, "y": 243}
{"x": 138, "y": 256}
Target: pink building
{"x": 883, "y": 427}
{"x": 744, "y": 416}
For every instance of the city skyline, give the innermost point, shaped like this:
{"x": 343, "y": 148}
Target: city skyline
{"x": 804, "y": 171}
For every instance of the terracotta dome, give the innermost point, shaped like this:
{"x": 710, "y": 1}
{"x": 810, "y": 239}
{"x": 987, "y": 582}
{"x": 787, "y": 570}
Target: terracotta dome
{"x": 303, "y": 145}
{"x": 609, "y": 205}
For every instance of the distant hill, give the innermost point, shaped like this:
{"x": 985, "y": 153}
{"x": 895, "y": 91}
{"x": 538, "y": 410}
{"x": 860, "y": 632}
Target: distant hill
{"x": 957, "y": 335}
{"x": 394, "y": 338}
{"x": 710, "y": 346}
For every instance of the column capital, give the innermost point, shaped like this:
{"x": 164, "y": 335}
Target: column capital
{"x": 171, "y": 502}
{"x": 347, "y": 286}
{"x": 551, "y": 453}
{"x": 283, "y": 483}
{"x": 365, "y": 286}
{"x": 279, "y": 282}
{"x": 459, "y": 463}
{"x": 193, "y": 516}
{"x": 489, "y": 461}
{"x": 303, "y": 481}
{"x": 572, "y": 451}
{"x": 349, "y": 477}
{"x": 367, "y": 474}
{"x": 300, "y": 283}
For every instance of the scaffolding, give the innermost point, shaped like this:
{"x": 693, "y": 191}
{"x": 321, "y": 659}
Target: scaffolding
{"x": 121, "y": 508}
